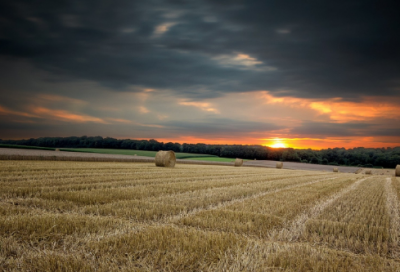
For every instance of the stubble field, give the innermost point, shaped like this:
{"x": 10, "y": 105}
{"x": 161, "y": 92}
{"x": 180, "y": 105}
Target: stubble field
{"x": 117, "y": 216}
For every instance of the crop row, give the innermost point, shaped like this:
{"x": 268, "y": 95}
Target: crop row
{"x": 358, "y": 221}
{"x": 258, "y": 216}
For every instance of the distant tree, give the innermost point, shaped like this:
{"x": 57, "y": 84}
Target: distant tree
{"x": 314, "y": 160}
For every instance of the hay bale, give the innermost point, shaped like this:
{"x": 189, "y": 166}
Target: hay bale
{"x": 57, "y": 149}
{"x": 134, "y": 155}
{"x": 238, "y": 162}
{"x": 165, "y": 158}
{"x": 335, "y": 170}
{"x": 368, "y": 172}
{"x": 279, "y": 165}
{"x": 397, "y": 172}
{"x": 359, "y": 171}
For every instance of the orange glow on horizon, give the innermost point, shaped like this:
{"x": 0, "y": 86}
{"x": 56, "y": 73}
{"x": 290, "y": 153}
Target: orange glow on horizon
{"x": 296, "y": 143}
{"x": 273, "y": 121}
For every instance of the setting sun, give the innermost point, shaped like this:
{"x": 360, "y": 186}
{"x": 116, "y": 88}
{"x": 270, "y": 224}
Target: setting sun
{"x": 276, "y": 143}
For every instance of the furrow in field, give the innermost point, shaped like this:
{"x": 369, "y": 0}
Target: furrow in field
{"x": 259, "y": 214}
{"x": 358, "y": 221}
{"x": 68, "y": 176}
{"x": 14, "y": 178}
{"x": 105, "y": 195}
{"x": 156, "y": 248}
{"x": 396, "y": 186}
{"x": 105, "y": 182}
{"x": 116, "y": 181}
{"x": 43, "y": 229}
{"x": 155, "y": 208}
{"x": 392, "y": 205}
{"x": 178, "y": 205}
{"x": 15, "y": 174}
{"x": 165, "y": 248}
{"x": 296, "y": 228}
{"x": 278, "y": 256}
{"x": 110, "y": 182}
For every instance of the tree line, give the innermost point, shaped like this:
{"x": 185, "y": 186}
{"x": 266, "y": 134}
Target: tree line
{"x": 361, "y": 157}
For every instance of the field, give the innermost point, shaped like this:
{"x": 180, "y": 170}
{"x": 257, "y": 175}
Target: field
{"x": 179, "y": 155}
{"x": 118, "y": 216}
{"x": 24, "y": 147}
{"x": 129, "y": 152}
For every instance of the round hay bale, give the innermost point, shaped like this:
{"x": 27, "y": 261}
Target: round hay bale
{"x": 57, "y": 149}
{"x": 335, "y": 170}
{"x": 397, "y": 173}
{"x": 165, "y": 158}
{"x": 279, "y": 165}
{"x": 368, "y": 172}
{"x": 238, "y": 162}
{"x": 359, "y": 171}
{"x": 134, "y": 155}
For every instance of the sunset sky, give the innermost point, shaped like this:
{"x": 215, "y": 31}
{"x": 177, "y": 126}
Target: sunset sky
{"x": 303, "y": 74}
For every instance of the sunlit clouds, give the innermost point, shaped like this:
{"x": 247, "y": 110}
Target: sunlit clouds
{"x": 8, "y": 112}
{"x": 204, "y": 106}
{"x": 143, "y": 110}
{"x": 368, "y": 108}
{"x": 163, "y": 28}
{"x": 242, "y": 61}
{"x": 342, "y": 111}
{"x": 66, "y": 116}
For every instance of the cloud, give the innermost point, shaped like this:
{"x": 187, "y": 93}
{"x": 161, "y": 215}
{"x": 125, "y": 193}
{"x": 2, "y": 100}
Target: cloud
{"x": 283, "y": 31}
{"x": 66, "y": 116}
{"x": 6, "y": 111}
{"x": 243, "y": 62}
{"x": 323, "y": 129}
{"x": 162, "y": 28}
{"x": 204, "y": 106}
{"x": 366, "y": 109}
{"x": 58, "y": 98}
{"x": 119, "y": 120}
{"x": 220, "y": 127}
{"x": 338, "y": 110}
{"x": 143, "y": 109}
{"x": 224, "y": 47}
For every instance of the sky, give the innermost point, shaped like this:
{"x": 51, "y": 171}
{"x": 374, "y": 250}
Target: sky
{"x": 303, "y": 74}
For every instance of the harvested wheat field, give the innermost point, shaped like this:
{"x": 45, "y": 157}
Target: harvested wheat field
{"x": 120, "y": 216}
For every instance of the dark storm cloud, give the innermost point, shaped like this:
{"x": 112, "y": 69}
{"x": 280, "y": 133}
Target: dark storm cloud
{"x": 319, "y": 49}
{"x": 323, "y": 130}
{"x": 221, "y": 126}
